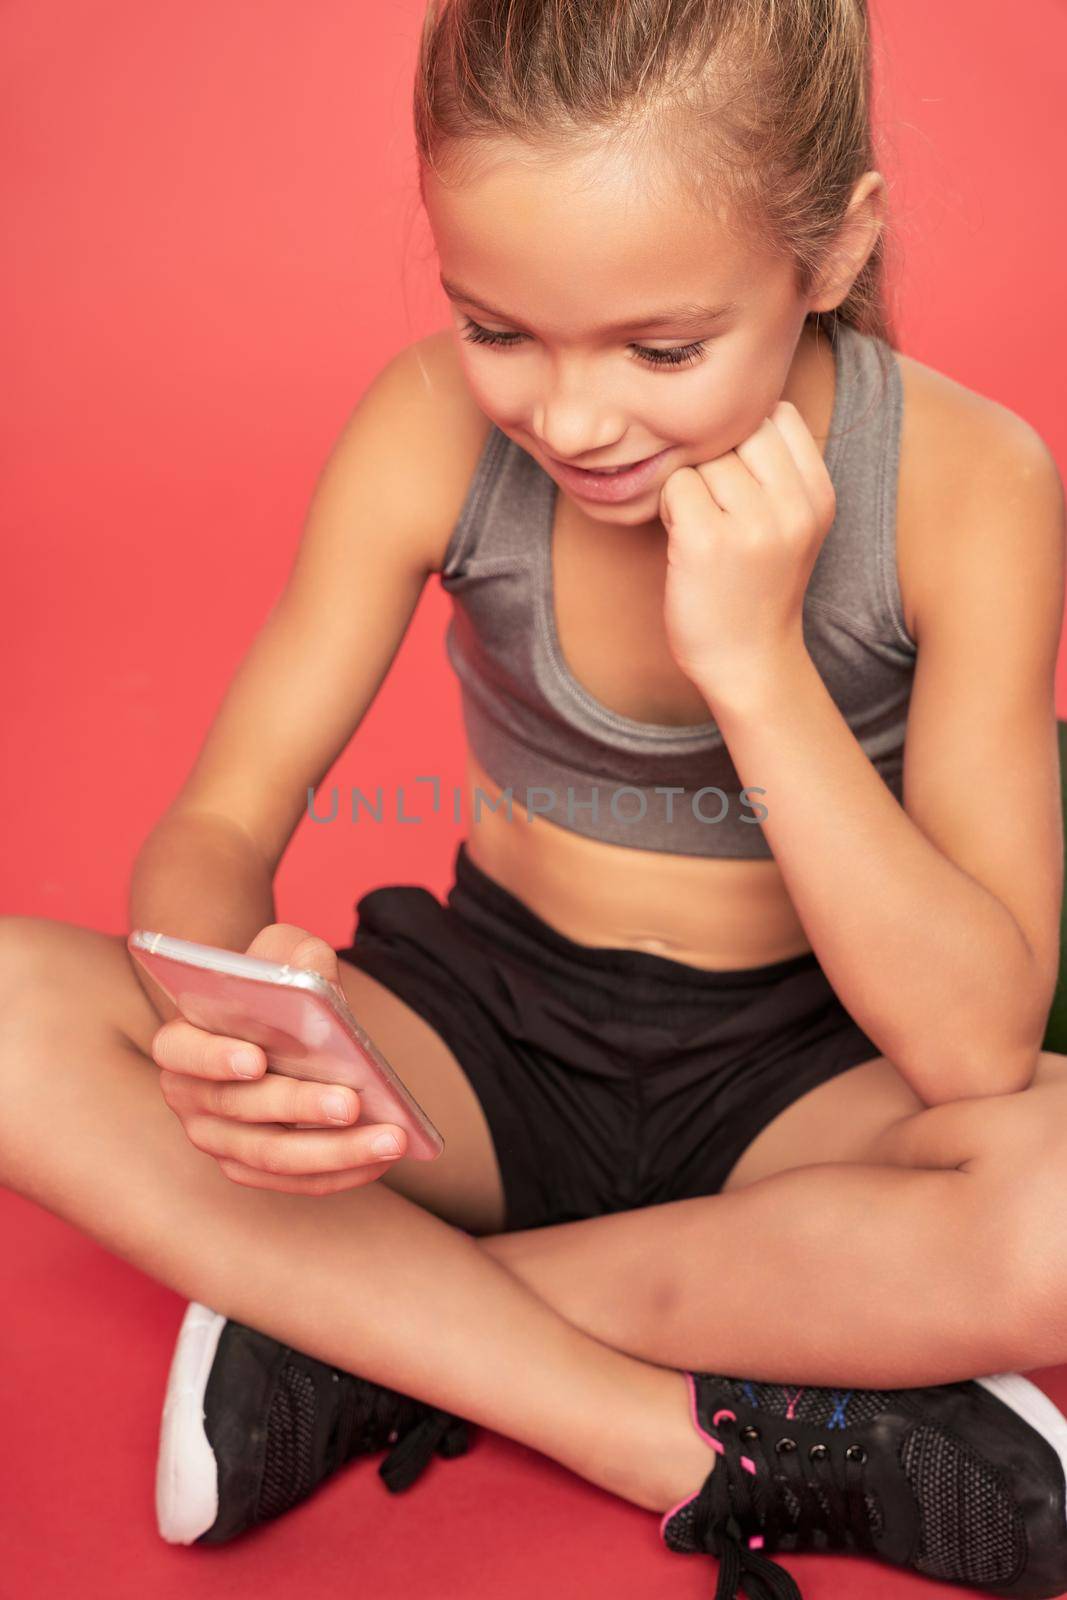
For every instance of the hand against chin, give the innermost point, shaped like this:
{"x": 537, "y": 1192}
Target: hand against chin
{"x": 743, "y": 534}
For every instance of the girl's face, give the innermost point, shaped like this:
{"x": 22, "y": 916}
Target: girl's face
{"x": 600, "y": 322}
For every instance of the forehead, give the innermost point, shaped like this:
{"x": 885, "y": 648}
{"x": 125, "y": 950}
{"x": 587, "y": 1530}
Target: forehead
{"x": 565, "y": 239}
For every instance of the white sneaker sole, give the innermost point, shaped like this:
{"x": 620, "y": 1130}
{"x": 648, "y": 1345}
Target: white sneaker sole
{"x": 1034, "y": 1406}
{"x": 187, "y": 1491}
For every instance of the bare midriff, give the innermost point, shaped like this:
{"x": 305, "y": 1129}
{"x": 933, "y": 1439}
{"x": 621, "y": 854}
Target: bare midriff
{"x": 716, "y": 913}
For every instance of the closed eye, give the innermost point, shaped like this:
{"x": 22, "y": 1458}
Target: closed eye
{"x": 675, "y": 356}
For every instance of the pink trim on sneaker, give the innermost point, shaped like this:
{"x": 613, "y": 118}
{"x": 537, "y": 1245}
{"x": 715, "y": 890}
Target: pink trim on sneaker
{"x": 667, "y": 1515}
{"x": 756, "y": 1541}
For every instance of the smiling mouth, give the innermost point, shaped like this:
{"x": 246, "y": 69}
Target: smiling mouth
{"x": 624, "y": 466}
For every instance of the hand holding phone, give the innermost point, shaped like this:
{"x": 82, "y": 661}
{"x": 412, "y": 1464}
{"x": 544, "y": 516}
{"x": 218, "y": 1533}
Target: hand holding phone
{"x": 281, "y": 1004}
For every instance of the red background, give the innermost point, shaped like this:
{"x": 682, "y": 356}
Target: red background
{"x": 213, "y": 244}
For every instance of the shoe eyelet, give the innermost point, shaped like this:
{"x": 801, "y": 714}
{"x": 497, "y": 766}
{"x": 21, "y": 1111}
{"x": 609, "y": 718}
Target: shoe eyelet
{"x": 818, "y": 1452}
{"x": 784, "y": 1446}
{"x": 856, "y": 1452}
{"x": 334, "y": 1377}
{"x": 750, "y": 1432}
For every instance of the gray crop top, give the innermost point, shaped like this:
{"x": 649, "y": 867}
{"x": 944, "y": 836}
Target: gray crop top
{"x": 566, "y": 757}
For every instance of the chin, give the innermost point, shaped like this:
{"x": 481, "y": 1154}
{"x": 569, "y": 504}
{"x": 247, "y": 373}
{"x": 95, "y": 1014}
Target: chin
{"x": 640, "y": 512}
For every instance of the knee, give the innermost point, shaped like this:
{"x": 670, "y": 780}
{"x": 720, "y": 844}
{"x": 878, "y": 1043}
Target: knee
{"x": 49, "y": 985}
{"x": 26, "y": 944}
{"x": 1026, "y": 1210}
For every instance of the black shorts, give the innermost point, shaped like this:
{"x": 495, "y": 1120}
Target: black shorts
{"x": 610, "y": 1079}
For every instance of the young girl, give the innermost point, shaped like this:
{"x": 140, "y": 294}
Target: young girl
{"x": 732, "y": 1017}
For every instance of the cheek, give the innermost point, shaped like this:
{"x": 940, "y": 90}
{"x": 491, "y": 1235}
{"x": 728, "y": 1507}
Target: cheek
{"x": 691, "y": 407}
{"x": 492, "y": 391}
{"x": 719, "y": 417}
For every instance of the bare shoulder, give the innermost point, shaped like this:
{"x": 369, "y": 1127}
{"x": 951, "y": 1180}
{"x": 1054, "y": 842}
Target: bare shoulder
{"x": 965, "y": 459}
{"x": 450, "y": 431}
{"x": 380, "y": 517}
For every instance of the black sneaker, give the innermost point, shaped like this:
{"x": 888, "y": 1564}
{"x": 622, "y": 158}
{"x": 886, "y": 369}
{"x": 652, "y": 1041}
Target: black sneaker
{"x": 960, "y": 1481}
{"x": 250, "y": 1427}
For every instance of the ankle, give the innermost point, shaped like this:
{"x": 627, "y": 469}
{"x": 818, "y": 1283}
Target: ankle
{"x": 691, "y": 1458}
{"x": 674, "y": 1459}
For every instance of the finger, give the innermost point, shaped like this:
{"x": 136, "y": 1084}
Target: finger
{"x": 734, "y": 488}
{"x": 180, "y": 1046}
{"x": 762, "y": 476}
{"x": 686, "y": 501}
{"x": 272, "y": 1098}
{"x": 810, "y": 460}
{"x": 288, "y": 1151}
{"x": 323, "y": 1183}
{"x": 289, "y": 945}
{"x": 795, "y": 433}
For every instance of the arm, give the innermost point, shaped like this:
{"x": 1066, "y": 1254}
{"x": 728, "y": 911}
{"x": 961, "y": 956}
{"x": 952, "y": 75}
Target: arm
{"x": 937, "y": 924}
{"x": 199, "y": 876}
{"x": 206, "y": 870}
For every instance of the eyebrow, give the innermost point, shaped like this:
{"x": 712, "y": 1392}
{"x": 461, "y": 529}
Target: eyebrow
{"x": 686, "y": 313}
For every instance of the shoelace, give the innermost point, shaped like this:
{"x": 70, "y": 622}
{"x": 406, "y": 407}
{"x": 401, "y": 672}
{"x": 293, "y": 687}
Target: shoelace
{"x": 438, "y": 1430}
{"x": 737, "y": 1507}
{"x": 370, "y": 1415}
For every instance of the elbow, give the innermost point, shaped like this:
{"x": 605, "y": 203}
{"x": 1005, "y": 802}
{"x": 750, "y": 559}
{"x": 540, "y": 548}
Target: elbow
{"x": 976, "y": 1075}
{"x": 1012, "y": 1072}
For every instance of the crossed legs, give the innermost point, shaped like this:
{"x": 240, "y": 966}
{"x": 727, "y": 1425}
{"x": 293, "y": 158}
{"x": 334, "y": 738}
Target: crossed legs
{"x": 358, "y": 1278}
{"x": 921, "y": 1249}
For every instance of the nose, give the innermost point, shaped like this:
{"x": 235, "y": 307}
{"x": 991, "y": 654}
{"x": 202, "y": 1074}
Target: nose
{"x": 572, "y": 438}
{"x": 572, "y": 424}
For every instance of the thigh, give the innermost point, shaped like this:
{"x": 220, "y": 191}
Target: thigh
{"x": 838, "y": 1120}
{"x": 77, "y": 1027}
{"x": 870, "y": 1113}
{"x": 464, "y": 1184}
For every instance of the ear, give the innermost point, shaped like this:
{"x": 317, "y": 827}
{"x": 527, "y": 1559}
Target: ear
{"x": 855, "y": 240}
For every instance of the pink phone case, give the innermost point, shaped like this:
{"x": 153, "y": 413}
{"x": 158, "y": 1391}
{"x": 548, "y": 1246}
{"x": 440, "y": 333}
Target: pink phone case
{"x": 298, "y": 1018}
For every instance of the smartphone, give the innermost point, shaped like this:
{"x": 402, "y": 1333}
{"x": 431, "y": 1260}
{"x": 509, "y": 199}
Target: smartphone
{"x": 299, "y": 1019}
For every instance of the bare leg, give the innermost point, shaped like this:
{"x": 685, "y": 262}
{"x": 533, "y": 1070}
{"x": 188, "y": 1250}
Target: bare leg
{"x": 845, "y": 1272}
{"x": 364, "y": 1279}
{"x": 358, "y": 1278}
{"x": 863, "y": 1238}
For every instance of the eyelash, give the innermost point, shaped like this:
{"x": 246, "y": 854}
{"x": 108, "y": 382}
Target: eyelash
{"x": 678, "y": 356}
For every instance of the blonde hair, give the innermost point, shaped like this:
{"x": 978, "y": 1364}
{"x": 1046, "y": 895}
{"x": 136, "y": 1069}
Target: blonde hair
{"x": 763, "y": 104}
